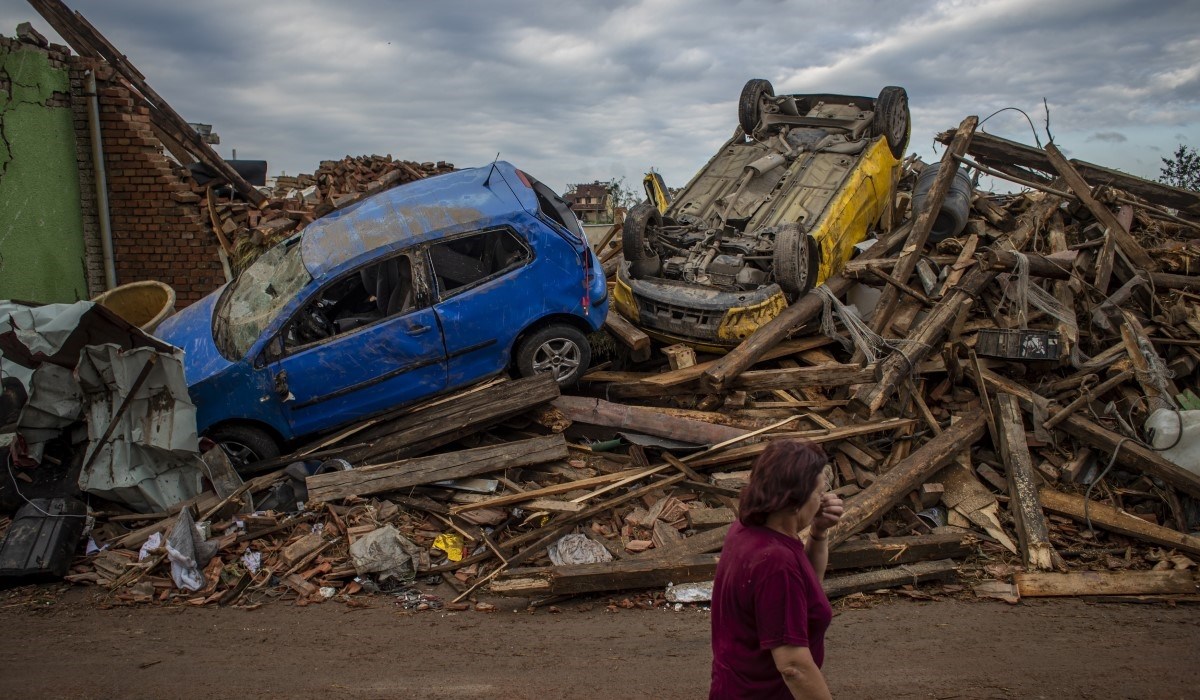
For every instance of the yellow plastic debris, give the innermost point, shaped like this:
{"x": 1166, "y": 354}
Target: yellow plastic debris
{"x": 451, "y": 544}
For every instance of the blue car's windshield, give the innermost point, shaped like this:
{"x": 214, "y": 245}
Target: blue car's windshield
{"x": 256, "y": 297}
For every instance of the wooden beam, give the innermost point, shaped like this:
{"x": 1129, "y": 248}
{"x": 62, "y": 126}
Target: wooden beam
{"x": 1112, "y": 519}
{"x": 553, "y": 490}
{"x": 918, "y": 235}
{"x": 908, "y": 474}
{"x": 1088, "y": 583}
{"x": 699, "y": 543}
{"x": 640, "y": 420}
{"x": 1033, "y": 532}
{"x": 909, "y": 574}
{"x": 439, "y": 422}
{"x": 630, "y": 336}
{"x": 423, "y": 470}
{"x": 891, "y": 551}
{"x": 606, "y": 576}
{"x": 1126, "y": 242}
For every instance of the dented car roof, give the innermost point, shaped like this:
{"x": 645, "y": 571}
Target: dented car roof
{"x": 464, "y": 200}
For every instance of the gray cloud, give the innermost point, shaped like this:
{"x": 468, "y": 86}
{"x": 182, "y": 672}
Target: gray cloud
{"x": 1108, "y": 137}
{"x": 575, "y": 92}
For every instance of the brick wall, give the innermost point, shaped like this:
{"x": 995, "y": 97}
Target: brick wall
{"x": 157, "y": 230}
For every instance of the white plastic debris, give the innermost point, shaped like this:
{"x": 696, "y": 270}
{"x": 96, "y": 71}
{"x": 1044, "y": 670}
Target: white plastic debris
{"x": 252, "y": 560}
{"x": 152, "y": 543}
{"x": 577, "y": 549}
{"x": 698, "y": 592}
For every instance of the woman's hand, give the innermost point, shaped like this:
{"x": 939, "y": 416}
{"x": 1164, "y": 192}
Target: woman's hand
{"x": 830, "y": 512}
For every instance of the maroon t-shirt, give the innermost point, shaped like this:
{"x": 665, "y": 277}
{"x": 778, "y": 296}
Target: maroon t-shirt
{"x": 766, "y": 595}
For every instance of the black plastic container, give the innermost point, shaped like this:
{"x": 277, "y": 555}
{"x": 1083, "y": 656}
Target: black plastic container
{"x": 39, "y": 547}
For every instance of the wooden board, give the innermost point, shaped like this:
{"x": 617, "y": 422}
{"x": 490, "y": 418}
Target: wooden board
{"x": 423, "y": 470}
{"x": 1033, "y": 532}
{"x": 1106, "y": 517}
{"x": 1085, "y": 583}
{"x": 606, "y": 576}
{"x": 909, "y": 574}
{"x": 910, "y": 473}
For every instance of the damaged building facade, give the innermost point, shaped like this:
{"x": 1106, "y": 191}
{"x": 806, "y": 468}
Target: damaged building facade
{"x": 80, "y": 215}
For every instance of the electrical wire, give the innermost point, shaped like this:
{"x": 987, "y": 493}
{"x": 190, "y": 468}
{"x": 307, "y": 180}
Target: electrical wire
{"x": 1024, "y": 114}
{"x": 8, "y": 463}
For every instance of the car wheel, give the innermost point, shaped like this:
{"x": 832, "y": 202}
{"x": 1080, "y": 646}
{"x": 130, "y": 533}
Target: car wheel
{"x": 892, "y": 119}
{"x": 559, "y": 350}
{"x": 750, "y": 104}
{"x": 795, "y": 260}
{"x": 638, "y": 235}
{"x": 245, "y": 444}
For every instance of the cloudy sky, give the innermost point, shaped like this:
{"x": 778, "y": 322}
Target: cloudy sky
{"x": 574, "y": 92}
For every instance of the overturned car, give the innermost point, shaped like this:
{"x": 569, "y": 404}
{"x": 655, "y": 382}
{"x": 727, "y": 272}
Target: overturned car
{"x": 777, "y": 210}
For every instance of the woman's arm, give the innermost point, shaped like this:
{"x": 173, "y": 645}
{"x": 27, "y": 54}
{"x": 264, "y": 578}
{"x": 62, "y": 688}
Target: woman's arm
{"x": 818, "y": 552}
{"x": 800, "y": 673}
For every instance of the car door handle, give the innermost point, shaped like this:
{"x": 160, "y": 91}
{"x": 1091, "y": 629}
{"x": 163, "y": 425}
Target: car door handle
{"x": 417, "y": 330}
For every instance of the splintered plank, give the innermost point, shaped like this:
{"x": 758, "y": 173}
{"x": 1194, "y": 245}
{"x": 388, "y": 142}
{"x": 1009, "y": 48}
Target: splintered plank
{"x": 907, "y": 475}
{"x": 642, "y": 420}
{"x": 891, "y": 551}
{"x": 1087, "y": 583}
{"x": 909, "y": 574}
{"x": 632, "y": 337}
{"x": 423, "y": 470}
{"x": 1033, "y": 533}
{"x": 605, "y": 576}
{"x": 1112, "y": 519}
{"x": 1126, "y": 242}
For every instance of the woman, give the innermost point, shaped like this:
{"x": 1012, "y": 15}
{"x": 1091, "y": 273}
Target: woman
{"x": 769, "y": 613}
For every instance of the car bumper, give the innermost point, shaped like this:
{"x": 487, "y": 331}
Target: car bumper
{"x": 710, "y": 319}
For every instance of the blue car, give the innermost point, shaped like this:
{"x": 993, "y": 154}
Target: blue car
{"x": 412, "y": 292}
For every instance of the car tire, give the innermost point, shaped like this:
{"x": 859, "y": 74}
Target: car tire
{"x": 557, "y": 348}
{"x": 638, "y": 235}
{"x": 750, "y": 103}
{"x": 796, "y": 261}
{"x": 245, "y": 444}
{"x": 892, "y": 119}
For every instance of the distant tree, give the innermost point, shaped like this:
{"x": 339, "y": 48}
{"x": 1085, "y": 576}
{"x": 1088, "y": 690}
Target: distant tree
{"x": 1183, "y": 170}
{"x": 623, "y": 195}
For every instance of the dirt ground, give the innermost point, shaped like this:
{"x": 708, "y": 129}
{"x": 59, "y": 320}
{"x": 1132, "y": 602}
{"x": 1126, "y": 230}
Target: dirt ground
{"x": 66, "y": 647}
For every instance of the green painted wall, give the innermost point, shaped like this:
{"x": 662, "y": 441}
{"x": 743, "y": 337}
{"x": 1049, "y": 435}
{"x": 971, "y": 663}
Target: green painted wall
{"x": 41, "y": 227}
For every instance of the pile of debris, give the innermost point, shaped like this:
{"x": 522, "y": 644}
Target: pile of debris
{"x": 245, "y": 230}
{"x": 1024, "y": 420}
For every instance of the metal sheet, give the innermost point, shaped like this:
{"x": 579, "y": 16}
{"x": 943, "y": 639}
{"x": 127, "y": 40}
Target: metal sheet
{"x": 151, "y": 460}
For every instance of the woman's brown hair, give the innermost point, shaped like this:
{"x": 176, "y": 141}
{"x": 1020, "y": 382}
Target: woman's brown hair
{"x": 783, "y": 476}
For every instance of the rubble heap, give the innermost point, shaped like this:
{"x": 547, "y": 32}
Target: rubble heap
{"x": 992, "y": 424}
{"x": 245, "y": 230}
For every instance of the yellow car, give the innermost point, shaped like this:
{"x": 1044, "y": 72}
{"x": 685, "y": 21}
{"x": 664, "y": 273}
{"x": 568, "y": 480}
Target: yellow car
{"x": 777, "y": 210}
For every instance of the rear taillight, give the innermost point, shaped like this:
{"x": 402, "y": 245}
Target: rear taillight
{"x": 524, "y": 179}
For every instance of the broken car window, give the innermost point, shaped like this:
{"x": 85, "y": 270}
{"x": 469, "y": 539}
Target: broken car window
{"x": 256, "y": 298}
{"x": 469, "y": 260}
{"x": 358, "y": 299}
